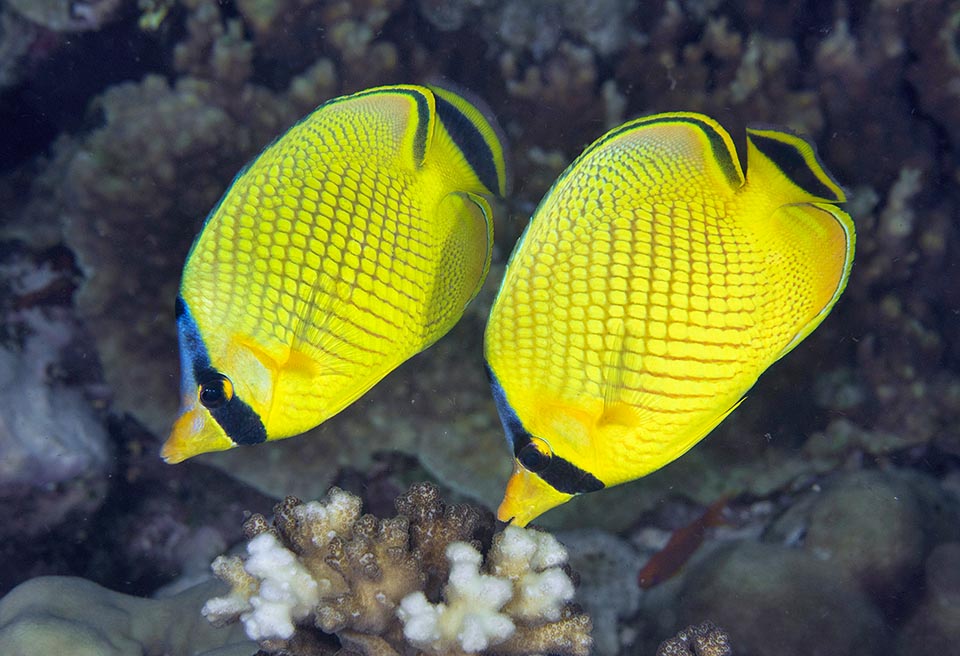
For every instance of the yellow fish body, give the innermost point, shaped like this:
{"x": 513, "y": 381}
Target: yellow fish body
{"x": 350, "y": 244}
{"x": 651, "y": 289}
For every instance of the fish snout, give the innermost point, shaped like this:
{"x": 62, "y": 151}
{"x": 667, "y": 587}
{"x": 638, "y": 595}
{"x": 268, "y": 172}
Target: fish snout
{"x": 527, "y": 497}
{"x": 193, "y": 433}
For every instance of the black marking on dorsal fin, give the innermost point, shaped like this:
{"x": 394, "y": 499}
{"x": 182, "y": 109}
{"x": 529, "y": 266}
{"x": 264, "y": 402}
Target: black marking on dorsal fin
{"x": 719, "y": 148}
{"x": 470, "y": 141}
{"x": 423, "y": 113}
{"x": 423, "y": 123}
{"x": 786, "y": 153}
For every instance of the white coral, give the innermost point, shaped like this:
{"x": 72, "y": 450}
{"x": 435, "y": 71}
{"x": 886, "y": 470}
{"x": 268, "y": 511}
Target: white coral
{"x": 527, "y": 585}
{"x": 272, "y": 589}
{"x": 287, "y": 591}
{"x": 532, "y": 560}
{"x": 519, "y": 550}
{"x": 470, "y": 618}
{"x": 541, "y": 596}
{"x": 221, "y": 610}
{"x": 324, "y": 520}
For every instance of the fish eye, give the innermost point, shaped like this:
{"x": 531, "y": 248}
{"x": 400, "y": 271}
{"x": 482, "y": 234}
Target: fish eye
{"x": 535, "y": 455}
{"x": 215, "y": 391}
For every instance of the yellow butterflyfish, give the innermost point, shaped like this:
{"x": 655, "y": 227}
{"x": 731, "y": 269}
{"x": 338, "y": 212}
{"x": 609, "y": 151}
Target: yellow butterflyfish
{"x": 348, "y": 245}
{"x": 652, "y": 287}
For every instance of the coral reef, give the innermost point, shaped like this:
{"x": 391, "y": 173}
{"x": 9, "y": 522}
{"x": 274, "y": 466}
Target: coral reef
{"x": 383, "y": 585}
{"x": 125, "y": 186}
{"x": 54, "y": 451}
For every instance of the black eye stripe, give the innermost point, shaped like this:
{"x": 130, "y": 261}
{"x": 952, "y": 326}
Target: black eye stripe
{"x": 558, "y": 473}
{"x": 240, "y": 422}
{"x": 237, "y": 419}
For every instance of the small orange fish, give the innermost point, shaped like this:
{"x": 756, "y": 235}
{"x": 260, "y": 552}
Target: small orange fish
{"x": 681, "y": 546}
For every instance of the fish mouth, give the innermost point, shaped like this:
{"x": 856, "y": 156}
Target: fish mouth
{"x": 194, "y": 432}
{"x": 527, "y": 497}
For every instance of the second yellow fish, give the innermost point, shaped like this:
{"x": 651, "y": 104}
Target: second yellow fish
{"x": 351, "y": 243}
{"x": 653, "y": 286}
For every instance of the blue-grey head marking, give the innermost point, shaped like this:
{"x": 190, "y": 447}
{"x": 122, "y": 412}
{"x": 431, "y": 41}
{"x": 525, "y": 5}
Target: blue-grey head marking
{"x": 238, "y": 420}
{"x": 559, "y": 474}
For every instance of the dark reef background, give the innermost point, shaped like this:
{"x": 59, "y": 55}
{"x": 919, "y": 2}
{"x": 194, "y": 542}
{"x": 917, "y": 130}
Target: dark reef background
{"x": 125, "y": 120}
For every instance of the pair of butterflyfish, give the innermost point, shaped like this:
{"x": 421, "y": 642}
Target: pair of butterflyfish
{"x": 653, "y": 285}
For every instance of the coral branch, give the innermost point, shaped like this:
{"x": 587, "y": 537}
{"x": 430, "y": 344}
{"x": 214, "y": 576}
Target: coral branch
{"x": 419, "y": 580}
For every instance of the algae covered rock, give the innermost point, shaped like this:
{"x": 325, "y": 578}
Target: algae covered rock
{"x": 934, "y": 627}
{"x": 874, "y": 528}
{"x": 55, "y": 454}
{"x": 776, "y": 600}
{"x": 66, "y": 615}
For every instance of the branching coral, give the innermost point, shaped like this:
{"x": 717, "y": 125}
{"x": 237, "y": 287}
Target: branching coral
{"x": 500, "y": 611}
{"x": 381, "y": 586}
{"x": 704, "y": 639}
{"x": 470, "y": 620}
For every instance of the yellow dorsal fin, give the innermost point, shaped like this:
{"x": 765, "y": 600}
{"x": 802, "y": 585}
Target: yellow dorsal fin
{"x": 410, "y": 110}
{"x": 474, "y": 138}
{"x": 697, "y": 144}
{"x": 464, "y": 221}
{"x": 787, "y": 168}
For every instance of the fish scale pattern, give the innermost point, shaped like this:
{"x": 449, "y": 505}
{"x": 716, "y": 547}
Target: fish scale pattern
{"x": 652, "y": 285}
{"x": 306, "y": 237}
{"x": 351, "y": 243}
{"x": 327, "y": 258}
{"x": 642, "y": 283}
